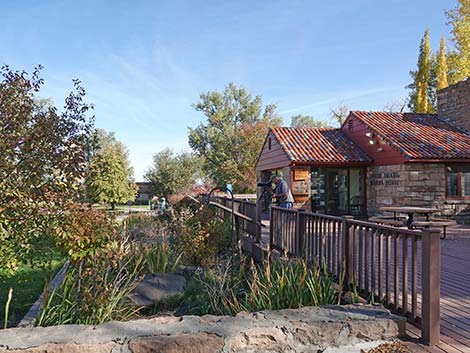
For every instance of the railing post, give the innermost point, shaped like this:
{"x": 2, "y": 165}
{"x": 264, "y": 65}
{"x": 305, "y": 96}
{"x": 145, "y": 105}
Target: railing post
{"x": 431, "y": 284}
{"x": 241, "y": 209}
{"x": 258, "y": 218}
{"x": 271, "y": 228}
{"x": 299, "y": 232}
{"x": 348, "y": 252}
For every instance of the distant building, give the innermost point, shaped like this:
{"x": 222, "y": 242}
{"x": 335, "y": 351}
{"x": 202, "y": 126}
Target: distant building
{"x": 144, "y": 193}
{"x": 379, "y": 159}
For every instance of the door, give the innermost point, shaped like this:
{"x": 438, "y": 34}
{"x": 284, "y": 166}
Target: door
{"x": 337, "y": 191}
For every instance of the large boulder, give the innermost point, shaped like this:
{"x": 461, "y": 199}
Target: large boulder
{"x": 156, "y": 287}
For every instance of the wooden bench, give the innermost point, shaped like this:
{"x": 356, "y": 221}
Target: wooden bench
{"x": 435, "y": 222}
{"x": 386, "y": 220}
{"x": 397, "y": 217}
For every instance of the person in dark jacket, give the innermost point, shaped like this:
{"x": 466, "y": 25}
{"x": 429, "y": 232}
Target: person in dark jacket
{"x": 282, "y": 193}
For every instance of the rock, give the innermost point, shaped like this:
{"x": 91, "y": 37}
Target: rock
{"x": 182, "y": 343}
{"x": 155, "y": 287}
{"x": 70, "y": 348}
{"x": 308, "y": 329}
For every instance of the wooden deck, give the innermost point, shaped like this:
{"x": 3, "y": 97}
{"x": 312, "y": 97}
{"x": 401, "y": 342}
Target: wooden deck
{"x": 455, "y": 296}
{"x": 455, "y": 299}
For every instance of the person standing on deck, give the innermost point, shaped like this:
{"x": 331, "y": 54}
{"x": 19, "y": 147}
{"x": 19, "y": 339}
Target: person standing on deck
{"x": 282, "y": 193}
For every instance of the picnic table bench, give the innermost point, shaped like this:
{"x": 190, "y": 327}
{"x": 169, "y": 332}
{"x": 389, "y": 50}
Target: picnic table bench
{"x": 436, "y": 222}
{"x": 386, "y": 220}
{"x": 411, "y": 222}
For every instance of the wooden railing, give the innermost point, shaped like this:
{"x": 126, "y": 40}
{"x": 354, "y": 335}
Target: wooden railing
{"x": 397, "y": 267}
{"x": 246, "y": 208}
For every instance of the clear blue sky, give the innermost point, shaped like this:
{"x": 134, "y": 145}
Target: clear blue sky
{"x": 143, "y": 63}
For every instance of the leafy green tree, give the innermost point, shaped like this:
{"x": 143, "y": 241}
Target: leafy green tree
{"x": 110, "y": 176}
{"x": 422, "y": 97}
{"x": 307, "y": 121}
{"x": 43, "y": 155}
{"x": 442, "y": 69}
{"x": 232, "y": 136}
{"x": 173, "y": 173}
{"x": 459, "y": 60}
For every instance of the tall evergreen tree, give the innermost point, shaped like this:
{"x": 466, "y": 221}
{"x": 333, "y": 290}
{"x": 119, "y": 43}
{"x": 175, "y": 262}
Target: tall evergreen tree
{"x": 459, "y": 60}
{"x": 423, "y": 75}
{"x": 442, "y": 69}
{"x": 422, "y": 97}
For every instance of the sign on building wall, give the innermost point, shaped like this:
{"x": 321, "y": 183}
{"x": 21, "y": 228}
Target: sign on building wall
{"x": 301, "y": 182}
{"x": 384, "y": 178}
{"x": 301, "y": 174}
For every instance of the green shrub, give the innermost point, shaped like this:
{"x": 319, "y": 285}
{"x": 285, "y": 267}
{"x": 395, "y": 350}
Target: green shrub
{"x": 202, "y": 236}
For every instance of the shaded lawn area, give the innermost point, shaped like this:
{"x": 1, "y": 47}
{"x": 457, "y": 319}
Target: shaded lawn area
{"x": 28, "y": 284}
{"x": 122, "y": 208}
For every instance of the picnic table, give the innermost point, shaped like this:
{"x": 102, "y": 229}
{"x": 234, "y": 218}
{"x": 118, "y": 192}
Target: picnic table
{"x": 411, "y": 211}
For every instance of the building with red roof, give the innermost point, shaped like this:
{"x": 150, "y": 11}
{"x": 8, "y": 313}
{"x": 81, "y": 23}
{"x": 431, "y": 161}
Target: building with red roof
{"x": 379, "y": 159}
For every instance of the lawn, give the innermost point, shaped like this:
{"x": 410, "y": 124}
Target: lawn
{"x": 27, "y": 283}
{"x": 122, "y": 208}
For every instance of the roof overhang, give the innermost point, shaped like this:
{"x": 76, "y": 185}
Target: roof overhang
{"x": 331, "y": 164}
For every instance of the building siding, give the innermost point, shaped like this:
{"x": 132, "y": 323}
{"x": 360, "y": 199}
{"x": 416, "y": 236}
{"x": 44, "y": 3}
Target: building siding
{"x": 413, "y": 184}
{"x": 274, "y": 158}
{"x": 453, "y": 104}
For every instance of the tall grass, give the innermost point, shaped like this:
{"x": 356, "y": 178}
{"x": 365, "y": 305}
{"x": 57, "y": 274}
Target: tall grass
{"x": 88, "y": 302}
{"x": 98, "y": 290}
{"x": 269, "y": 286}
{"x": 7, "y": 307}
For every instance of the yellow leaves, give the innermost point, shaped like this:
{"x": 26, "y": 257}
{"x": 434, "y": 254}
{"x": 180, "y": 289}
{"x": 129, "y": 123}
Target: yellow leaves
{"x": 442, "y": 66}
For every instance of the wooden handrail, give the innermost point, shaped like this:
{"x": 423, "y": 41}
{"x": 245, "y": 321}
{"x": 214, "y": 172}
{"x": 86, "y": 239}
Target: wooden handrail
{"x": 380, "y": 261}
{"x": 238, "y": 214}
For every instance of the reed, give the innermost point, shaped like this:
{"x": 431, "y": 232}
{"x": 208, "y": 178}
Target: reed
{"x": 7, "y": 307}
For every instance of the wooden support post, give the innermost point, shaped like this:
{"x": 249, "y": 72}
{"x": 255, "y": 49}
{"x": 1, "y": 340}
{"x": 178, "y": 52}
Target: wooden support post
{"x": 431, "y": 285}
{"x": 271, "y": 228}
{"x": 348, "y": 252}
{"x": 299, "y": 232}
{"x": 237, "y": 231}
{"x": 241, "y": 209}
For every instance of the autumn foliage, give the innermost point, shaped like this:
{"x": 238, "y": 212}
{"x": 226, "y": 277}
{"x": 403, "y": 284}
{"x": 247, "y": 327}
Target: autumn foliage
{"x": 43, "y": 160}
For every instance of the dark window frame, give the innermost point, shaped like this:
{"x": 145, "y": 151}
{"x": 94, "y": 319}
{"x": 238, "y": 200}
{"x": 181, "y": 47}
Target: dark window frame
{"x": 459, "y": 195}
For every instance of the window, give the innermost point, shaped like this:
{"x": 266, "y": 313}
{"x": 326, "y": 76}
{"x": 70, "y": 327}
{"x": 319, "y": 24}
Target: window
{"x": 458, "y": 181}
{"x": 350, "y": 125}
{"x": 269, "y": 143}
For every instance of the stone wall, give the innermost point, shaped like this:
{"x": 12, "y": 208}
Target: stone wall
{"x": 413, "y": 184}
{"x": 308, "y": 329}
{"x": 454, "y": 104}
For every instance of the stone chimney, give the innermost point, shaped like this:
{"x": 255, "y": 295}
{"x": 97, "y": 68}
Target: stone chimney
{"x": 453, "y": 104}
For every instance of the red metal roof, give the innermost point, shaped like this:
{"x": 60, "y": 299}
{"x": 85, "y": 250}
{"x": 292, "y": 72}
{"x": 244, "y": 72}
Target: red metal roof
{"x": 418, "y": 136}
{"x": 319, "y": 145}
